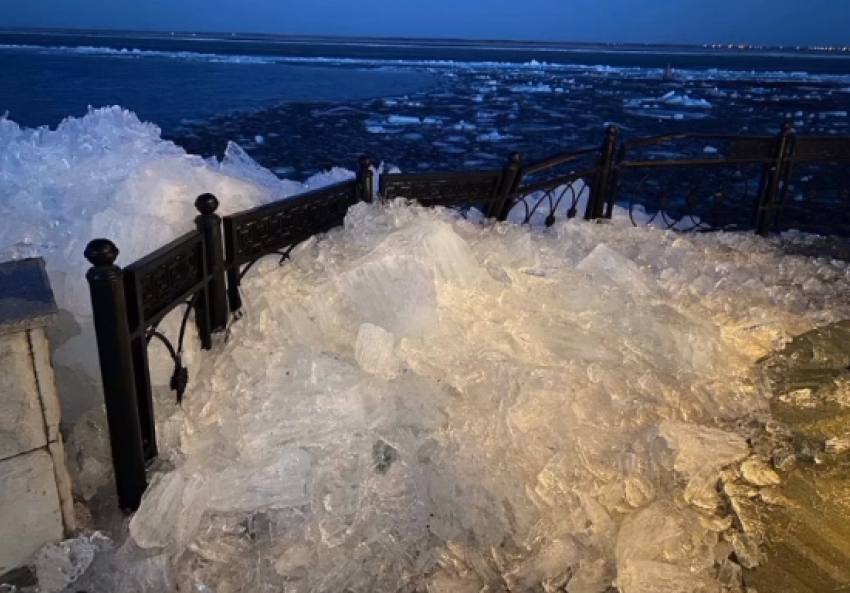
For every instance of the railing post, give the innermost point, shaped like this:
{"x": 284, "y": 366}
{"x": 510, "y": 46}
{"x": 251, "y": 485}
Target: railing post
{"x": 600, "y": 187}
{"x": 771, "y": 178}
{"x": 501, "y": 206}
{"x": 208, "y": 224}
{"x": 365, "y": 178}
{"x": 109, "y": 306}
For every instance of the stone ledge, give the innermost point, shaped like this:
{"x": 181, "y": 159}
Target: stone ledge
{"x": 26, "y": 299}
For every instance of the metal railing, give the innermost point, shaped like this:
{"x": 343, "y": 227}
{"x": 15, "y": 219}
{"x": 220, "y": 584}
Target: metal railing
{"x": 708, "y": 181}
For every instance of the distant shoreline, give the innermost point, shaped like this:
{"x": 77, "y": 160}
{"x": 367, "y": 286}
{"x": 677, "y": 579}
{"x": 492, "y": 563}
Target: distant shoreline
{"x": 436, "y": 43}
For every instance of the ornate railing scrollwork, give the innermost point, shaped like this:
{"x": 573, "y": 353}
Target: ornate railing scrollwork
{"x": 542, "y": 202}
{"x": 555, "y": 186}
{"x": 458, "y": 191}
{"x": 278, "y": 227}
{"x": 691, "y": 200}
{"x": 694, "y": 182}
{"x": 815, "y": 189}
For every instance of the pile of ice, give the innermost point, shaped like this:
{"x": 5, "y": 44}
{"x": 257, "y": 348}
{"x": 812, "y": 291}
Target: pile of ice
{"x": 109, "y": 175}
{"x": 420, "y": 403}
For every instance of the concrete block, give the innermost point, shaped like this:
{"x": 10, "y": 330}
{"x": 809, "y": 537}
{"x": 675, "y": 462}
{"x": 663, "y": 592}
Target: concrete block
{"x": 30, "y": 515}
{"x": 21, "y": 421}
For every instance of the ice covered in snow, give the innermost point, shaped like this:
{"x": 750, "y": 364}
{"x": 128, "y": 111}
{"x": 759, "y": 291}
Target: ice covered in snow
{"x": 418, "y": 401}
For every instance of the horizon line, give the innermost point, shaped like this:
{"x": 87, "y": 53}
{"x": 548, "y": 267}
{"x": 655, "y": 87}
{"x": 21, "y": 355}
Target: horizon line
{"x": 247, "y": 34}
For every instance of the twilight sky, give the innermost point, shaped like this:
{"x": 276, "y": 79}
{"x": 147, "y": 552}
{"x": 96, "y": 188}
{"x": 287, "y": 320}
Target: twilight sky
{"x": 788, "y": 22}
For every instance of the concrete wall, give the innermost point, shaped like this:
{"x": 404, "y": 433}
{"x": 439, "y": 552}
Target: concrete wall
{"x": 35, "y": 491}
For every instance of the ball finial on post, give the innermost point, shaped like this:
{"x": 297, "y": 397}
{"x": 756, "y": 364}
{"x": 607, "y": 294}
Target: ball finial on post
{"x": 101, "y": 252}
{"x": 206, "y": 204}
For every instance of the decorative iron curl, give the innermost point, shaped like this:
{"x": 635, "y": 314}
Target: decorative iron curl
{"x": 180, "y": 377}
{"x": 532, "y": 198}
{"x": 284, "y": 255}
{"x": 692, "y": 203}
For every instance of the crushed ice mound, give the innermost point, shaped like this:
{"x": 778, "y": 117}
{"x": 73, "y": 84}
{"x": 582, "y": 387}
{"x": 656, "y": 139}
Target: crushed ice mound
{"x": 419, "y": 403}
{"x": 416, "y": 402}
{"x": 109, "y": 175}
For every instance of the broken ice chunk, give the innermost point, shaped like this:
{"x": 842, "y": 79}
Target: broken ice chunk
{"x": 606, "y": 264}
{"x": 88, "y": 455}
{"x": 730, "y": 576}
{"x": 591, "y": 576}
{"x": 59, "y": 565}
{"x": 171, "y": 510}
{"x": 756, "y": 471}
{"x": 279, "y": 481}
{"x": 747, "y": 550}
{"x": 837, "y": 445}
{"x": 549, "y": 563}
{"x": 293, "y": 559}
{"x": 449, "y": 254}
{"x": 699, "y": 448}
{"x": 664, "y": 549}
{"x": 374, "y": 351}
{"x": 701, "y": 490}
{"x": 395, "y": 293}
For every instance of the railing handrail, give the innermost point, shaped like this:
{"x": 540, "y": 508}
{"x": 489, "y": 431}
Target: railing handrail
{"x": 635, "y": 142}
{"x": 554, "y": 182}
{"x": 558, "y": 159}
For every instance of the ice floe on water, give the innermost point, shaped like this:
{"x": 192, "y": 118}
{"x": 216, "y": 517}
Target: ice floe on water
{"x": 446, "y": 67}
{"x": 532, "y": 88}
{"x": 494, "y": 136}
{"x": 403, "y": 119}
{"x": 669, "y": 106}
{"x": 421, "y": 402}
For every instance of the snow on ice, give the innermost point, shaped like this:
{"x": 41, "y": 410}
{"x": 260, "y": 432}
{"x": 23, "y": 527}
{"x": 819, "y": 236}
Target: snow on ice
{"x": 419, "y": 402}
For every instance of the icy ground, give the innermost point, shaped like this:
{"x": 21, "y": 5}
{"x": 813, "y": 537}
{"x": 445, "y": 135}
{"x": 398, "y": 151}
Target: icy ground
{"x": 418, "y": 402}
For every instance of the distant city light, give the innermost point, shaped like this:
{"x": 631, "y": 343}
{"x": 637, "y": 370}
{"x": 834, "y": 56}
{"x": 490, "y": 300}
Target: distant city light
{"x": 747, "y": 46}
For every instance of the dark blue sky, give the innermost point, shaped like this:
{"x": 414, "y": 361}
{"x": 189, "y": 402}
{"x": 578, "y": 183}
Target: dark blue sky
{"x": 789, "y": 22}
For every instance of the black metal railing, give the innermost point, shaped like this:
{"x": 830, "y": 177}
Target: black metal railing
{"x": 711, "y": 181}
{"x": 680, "y": 181}
{"x": 274, "y": 229}
{"x": 128, "y": 306}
